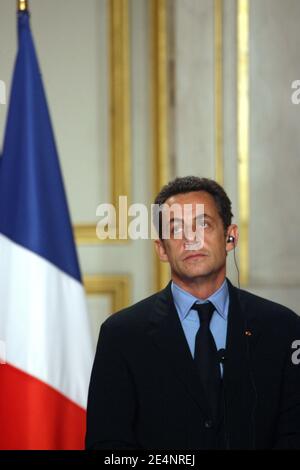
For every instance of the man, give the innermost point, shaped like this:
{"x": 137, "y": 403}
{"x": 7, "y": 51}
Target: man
{"x": 201, "y": 364}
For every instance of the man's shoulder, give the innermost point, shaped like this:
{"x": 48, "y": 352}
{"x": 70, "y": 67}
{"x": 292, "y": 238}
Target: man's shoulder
{"x": 134, "y": 315}
{"x": 265, "y": 308}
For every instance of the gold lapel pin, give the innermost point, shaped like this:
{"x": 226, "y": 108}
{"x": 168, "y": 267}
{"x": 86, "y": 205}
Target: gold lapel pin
{"x": 248, "y": 333}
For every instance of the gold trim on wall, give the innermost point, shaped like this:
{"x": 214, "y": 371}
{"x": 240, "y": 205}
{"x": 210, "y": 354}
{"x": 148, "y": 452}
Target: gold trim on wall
{"x": 117, "y": 286}
{"x": 159, "y": 53}
{"x": 119, "y": 116}
{"x": 119, "y": 99}
{"x": 243, "y": 135}
{"x": 218, "y": 33}
{"x": 85, "y": 234}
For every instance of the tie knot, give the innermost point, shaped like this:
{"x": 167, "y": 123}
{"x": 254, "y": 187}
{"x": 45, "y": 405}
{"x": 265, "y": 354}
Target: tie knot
{"x": 205, "y": 311}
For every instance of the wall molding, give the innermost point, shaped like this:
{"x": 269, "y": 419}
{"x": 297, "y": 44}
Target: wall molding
{"x": 117, "y": 286}
{"x": 218, "y": 54}
{"x": 160, "y": 111}
{"x": 119, "y": 116}
{"x": 243, "y": 106}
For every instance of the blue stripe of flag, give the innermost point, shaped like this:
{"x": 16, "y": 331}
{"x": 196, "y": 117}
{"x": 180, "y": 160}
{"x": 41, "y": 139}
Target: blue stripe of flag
{"x": 33, "y": 206}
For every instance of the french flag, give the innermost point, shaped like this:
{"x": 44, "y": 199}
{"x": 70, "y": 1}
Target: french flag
{"x": 44, "y": 323}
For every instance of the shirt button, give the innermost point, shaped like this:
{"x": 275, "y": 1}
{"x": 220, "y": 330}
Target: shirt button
{"x": 208, "y": 424}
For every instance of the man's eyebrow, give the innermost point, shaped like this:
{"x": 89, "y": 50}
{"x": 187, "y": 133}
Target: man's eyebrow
{"x": 203, "y": 215}
{"x": 199, "y": 216}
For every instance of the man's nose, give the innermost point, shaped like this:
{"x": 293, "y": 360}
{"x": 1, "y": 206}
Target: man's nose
{"x": 193, "y": 234}
{"x": 189, "y": 232}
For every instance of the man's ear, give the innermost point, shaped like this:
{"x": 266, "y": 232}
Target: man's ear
{"x": 232, "y": 231}
{"x": 160, "y": 250}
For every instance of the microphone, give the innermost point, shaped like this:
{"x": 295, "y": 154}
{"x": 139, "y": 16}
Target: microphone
{"x": 221, "y": 355}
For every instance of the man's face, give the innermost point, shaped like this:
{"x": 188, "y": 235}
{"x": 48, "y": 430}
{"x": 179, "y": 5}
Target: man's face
{"x": 207, "y": 260}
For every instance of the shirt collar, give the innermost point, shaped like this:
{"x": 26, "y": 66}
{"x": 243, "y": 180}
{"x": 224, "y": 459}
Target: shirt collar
{"x": 184, "y": 300}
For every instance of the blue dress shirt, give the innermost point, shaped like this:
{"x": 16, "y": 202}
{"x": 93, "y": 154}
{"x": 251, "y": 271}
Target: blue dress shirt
{"x": 190, "y": 320}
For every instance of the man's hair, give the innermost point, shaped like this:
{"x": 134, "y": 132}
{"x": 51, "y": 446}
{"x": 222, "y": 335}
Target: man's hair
{"x": 189, "y": 184}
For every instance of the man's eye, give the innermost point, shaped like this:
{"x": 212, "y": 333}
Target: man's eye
{"x": 203, "y": 224}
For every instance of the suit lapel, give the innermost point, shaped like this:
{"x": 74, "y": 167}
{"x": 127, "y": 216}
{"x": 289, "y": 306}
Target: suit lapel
{"x": 242, "y": 335}
{"x": 166, "y": 331}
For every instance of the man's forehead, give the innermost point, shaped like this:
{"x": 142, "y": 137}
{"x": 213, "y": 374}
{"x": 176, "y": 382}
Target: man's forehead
{"x": 193, "y": 198}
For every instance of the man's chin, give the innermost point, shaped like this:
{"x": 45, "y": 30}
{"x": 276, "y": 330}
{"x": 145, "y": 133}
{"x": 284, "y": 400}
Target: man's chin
{"x": 197, "y": 274}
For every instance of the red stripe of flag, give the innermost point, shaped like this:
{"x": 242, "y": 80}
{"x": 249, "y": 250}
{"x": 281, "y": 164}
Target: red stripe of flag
{"x": 35, "y": 416}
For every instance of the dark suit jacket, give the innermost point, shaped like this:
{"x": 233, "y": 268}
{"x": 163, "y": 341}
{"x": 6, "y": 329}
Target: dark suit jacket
{"x": 145, "y": 392}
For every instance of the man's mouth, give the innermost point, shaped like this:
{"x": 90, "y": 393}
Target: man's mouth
{"x": 195, "y": 255}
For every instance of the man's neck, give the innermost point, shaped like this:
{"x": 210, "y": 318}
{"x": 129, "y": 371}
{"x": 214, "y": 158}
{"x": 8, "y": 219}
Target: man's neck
{"x": 200, "y": 288}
